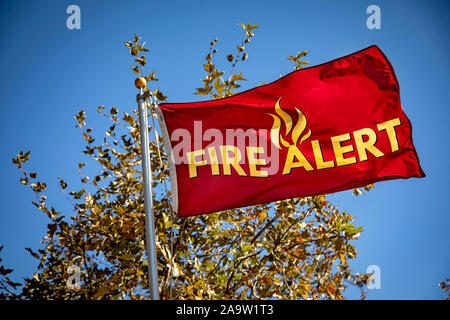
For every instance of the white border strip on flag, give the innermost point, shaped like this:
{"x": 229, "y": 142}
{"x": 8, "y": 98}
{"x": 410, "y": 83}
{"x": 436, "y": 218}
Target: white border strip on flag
{"x": 170, "y": 158}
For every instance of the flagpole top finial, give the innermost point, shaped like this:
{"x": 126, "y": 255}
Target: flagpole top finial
{"x": 140, "y": 83}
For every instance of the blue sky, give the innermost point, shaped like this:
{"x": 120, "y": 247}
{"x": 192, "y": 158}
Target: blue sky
{"x": 49, "y": 72}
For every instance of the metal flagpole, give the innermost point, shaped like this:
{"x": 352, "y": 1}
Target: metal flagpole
{"x": 148, "y": 198}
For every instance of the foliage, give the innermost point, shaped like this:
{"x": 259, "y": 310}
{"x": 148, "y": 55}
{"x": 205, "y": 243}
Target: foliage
{"x": 293, "y": 249}
{"x": 7, "y": 286}
{"x": 296, "y": 59}
{"x": 445, "y": 286}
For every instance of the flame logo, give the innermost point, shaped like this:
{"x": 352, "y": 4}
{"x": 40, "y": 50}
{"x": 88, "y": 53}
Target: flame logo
{"x": 297, "y": 130}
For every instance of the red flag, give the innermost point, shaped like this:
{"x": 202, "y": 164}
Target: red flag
{"x": 318, "y": 130}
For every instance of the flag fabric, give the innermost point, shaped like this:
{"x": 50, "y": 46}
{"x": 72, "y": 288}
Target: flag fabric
{"x": 318, "y": 130}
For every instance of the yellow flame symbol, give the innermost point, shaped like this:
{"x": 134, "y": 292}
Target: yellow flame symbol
{"x": 297, "y": 131}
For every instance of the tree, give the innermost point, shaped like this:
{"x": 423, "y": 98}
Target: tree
{"x": 291, "y": 249}
{"x": 7, "y": 286}
{"x": 445, "y": 286}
